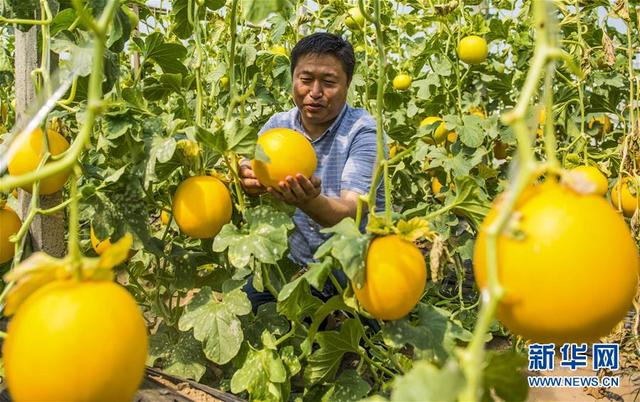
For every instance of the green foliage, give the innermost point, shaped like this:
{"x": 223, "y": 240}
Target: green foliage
{"x": 216, "y": 323}
{"x": 164, "y": 83}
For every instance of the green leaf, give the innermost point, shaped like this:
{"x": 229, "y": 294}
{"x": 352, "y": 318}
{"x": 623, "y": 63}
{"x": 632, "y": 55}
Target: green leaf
{"x": 117, "y": 125}
{"x": 62, "y": 21}
{"x": 168, "y": 56}
{"x": 425, "y": 382}
{"x": 264, "y": 237}
{"x": 290, "y": 359}
{"x": 324, "y": 362}
{"x": 257, "y": 10}
{"x": 334, "y": 303}
{"x": 180, "y": 9}
{"x": 433, "y": 334}
{"x": 347, "y": 388}
{"x": 240, "y": 140}
{"x": 215, "y": 323}
{"x": 316, "y": 276}
{"x": 296, "y": 301}
{"x": 469, "y": 200}
{"x": 262, "y": 375}
{"x": 267, "y": 318}
{"x": 120, "y": 31}
{"x": 442, "y": 67}
{"x": 134, "y": 98}
{"x": 317, "y": 273}
{"x": 215, "y": 141}
{"x": 260, "y": 155}
{"x": 471, "y": 133}
{"x": 424, "y": 86}
{"x": 22, "y": 9}
{"x": 81, "y": 53}
{"x": 503, "y": 374}
{"x": 162, "y": 150}
{"x": 155, "y": 89}
{"x": 179, "y": 353}
{"x": 348, "y": 246}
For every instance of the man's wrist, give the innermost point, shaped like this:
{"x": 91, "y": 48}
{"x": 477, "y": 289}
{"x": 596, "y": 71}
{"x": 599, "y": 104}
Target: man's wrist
{"x": 305, "y": 205}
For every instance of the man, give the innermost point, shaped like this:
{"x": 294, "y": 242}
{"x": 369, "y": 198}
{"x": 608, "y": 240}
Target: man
{"x": 343, "y": 138}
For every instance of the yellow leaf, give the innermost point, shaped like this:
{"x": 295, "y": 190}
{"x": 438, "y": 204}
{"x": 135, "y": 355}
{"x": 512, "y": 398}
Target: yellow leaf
{"x": 117, "y": 253}
{"x": 378, "y": 225}
{"x": 414, "y": 229}
{"x": 30, "y": 275}
{"x": 40, "y": 269}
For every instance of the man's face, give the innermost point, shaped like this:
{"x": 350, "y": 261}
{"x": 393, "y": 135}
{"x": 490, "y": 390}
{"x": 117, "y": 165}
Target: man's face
{"x": 319, "y": 88}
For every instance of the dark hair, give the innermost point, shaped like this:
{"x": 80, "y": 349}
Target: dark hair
{"x": 323, "y": 43}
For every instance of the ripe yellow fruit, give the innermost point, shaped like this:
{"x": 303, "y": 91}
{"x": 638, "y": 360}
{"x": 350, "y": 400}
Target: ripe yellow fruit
{"x": 289, "y": 153}
{"x": 99, "y": 246}
{"x": 164, "y": 217}
{"x": 627, "y": 192}
{"x": 9, "y": 225}
{"x": 76, "y": 341}
{"x": 28, "y": 156}
{"x": 436, "y": 186}
{"x": 603, "y": 123}
{"x": 593, "y": 175}
{"x": 478, "y": 112}
{"x": 562, "y": 283}
{"x": 189, "y": 148}
{"x": 201, "y": 206}
{"x": 224, "y": 82}
{"x": 395, "y": 148}
{"x": 279, "y": 50}
{"x": 355, "y": 19}
{"x": 473, "y": 49}
{"x": 402, "y": 82}
{"x": 440, "y": 133}
{"x": 396, "y": 276}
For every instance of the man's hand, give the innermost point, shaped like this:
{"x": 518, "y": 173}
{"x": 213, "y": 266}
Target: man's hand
{"x": 249, "y": 181}
{"x": 297, "y": 190}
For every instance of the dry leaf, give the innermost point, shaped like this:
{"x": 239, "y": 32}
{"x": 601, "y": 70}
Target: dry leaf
{"x": 444, "y": 9}
{"x": 622, "y": 9}
{"x": 30, "y": 275}
{"x": 609, "y": 49}
{"x": 435, "y": 255}
{"x": 585, "y": 63}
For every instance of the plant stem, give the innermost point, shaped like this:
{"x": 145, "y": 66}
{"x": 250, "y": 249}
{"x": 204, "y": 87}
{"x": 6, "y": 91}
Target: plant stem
{"x": 74, "y": 228}
{"x": 232, "y": 56}
{"x": 472, "y": 357}
{"x": 288, "y": 335}
{"x": 380, "y": 157}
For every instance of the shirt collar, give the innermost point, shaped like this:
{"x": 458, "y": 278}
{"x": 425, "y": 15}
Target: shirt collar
{"x": 332, "y": 128}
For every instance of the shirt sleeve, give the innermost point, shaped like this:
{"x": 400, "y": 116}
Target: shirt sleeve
{"x": 271, "y": 123}
{"x": 358, "y": 169}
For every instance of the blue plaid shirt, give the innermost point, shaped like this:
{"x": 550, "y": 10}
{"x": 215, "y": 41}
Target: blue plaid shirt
{"x": 346, "y": 155}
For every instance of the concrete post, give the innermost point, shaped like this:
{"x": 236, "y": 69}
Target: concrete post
{"x": 47, "y": 232}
